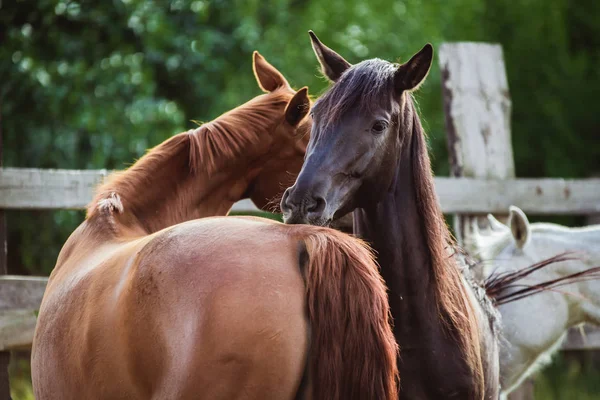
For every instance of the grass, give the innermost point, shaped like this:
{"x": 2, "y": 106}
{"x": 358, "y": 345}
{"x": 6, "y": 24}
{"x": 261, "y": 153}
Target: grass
{"x": 276, "y": 217}
{"x": 571, "y": 376}
{"x": 20, "y": 376}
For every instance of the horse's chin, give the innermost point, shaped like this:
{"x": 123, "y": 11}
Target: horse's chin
{"x": 321, "y": 222}
{"x": 301, "y": 219}
{"x": 294, "y": 219}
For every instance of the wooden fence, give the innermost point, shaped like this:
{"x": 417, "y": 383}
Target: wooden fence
{"x": 477, "y": 107}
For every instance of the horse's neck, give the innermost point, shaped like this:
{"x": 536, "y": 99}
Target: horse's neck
{"x": 158, "y": 192}
{"x": 432, "y": 321}
{"x": 583, "y": 240}
{"x": 395, "y": 230}
{"x": 583, "y": 296}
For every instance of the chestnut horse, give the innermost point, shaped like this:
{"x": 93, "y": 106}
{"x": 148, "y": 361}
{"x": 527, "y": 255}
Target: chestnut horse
{"x": 149, "y": 302}
{"x": 367, "y": 153}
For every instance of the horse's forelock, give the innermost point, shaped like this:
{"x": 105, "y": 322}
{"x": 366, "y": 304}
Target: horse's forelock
{"x": 363, "y": 87}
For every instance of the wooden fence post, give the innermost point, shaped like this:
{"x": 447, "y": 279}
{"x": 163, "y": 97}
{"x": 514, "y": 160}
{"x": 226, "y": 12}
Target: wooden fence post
{"x": 4, "y": 355}
{"x": 593, "y": 219}
{"x": 477, "y": 107}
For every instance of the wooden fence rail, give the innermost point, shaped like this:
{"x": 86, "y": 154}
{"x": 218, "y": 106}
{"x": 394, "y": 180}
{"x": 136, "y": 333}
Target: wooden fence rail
{"x": 27, "y": 188}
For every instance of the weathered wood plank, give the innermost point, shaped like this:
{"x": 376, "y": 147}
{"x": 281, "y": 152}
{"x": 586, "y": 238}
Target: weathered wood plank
{"x": 21, "y": 292}
{"x": 534, "y": 196}
{"x": 20, "y": 299}
{"x": 30, "y": 188}
{"x": 245, "y": 205}
{"x": 16, "y": 329}
{"x": 47, "y": 188}
{"x": 59, "y": 189}
{"x": 477, "y": 110}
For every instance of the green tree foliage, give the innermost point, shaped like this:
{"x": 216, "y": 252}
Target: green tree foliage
{"x": 552, "y": 52}
{"x": 93, "y": 84}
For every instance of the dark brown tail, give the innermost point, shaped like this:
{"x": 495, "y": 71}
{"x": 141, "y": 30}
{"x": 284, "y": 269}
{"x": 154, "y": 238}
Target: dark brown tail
{"x": 496, "y": 284}
{"x": 353, "y": 351}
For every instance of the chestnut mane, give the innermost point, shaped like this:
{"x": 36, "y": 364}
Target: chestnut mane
{"x": 342, "y": 280}
{"x": 162, "y": 173}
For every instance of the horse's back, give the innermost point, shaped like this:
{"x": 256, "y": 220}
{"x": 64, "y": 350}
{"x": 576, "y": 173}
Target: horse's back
{"x": 210, "y": 309}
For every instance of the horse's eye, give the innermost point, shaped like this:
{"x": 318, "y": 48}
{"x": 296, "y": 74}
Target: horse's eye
{"x": 379, "y": 126}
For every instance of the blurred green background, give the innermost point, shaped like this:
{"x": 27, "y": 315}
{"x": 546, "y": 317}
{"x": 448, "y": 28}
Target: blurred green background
{"x": 93, "y": 84}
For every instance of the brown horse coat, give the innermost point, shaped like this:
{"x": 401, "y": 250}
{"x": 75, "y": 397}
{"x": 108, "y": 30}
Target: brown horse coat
{"x": 144, "y": 305}
{"x": 215, "y": 309}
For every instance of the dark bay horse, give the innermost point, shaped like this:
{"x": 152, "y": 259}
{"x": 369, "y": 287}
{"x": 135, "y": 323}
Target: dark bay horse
{"x": 149, "y": 302}
{"x": 367, "y": 153}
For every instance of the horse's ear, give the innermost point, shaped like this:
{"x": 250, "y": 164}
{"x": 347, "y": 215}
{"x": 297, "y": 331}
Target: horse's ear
{"x": 519, "y": 226}
{"x": 269, "y": 79}
{"x": 298, "y": 107}
{"x": 496, "y": 225}
{"x": 332, "y": 64}
{"x": 412, "y": 73}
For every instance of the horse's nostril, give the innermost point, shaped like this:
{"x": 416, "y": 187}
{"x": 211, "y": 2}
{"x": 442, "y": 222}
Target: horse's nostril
{"x": 284, "y": 205}
{"x": 315, "y": 205}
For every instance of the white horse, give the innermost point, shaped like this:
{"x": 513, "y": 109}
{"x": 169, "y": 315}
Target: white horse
{"x": 534, "y": 327}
